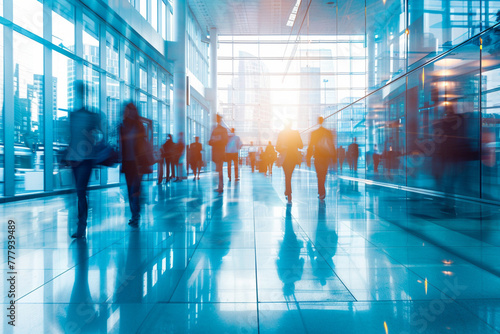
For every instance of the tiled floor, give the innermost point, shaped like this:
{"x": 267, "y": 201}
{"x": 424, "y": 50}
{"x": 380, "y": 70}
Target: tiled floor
{"x": 368, "y": 260}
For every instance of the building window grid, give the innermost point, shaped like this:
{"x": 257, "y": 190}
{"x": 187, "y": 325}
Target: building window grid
{"x": 89, "y": 65}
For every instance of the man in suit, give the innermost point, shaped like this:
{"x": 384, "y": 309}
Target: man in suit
{"x": 84, "y": 127}
{"x": 353, "y": 154}
{"x": 218, "y": 141}
{"x": 322, "y": 147}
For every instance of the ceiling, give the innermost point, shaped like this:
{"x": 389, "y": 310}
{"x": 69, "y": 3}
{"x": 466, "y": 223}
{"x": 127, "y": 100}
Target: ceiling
{"x": 269, "y": 17}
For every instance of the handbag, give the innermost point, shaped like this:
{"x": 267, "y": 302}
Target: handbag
{"x": 105, "y": 155}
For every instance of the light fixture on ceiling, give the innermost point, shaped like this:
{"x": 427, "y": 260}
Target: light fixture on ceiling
{"x": 293, "y": 14}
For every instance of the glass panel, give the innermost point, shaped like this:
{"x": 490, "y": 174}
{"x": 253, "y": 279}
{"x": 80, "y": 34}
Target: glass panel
{"x": 386, "y": 40}
{"x": 443, "y": 124}
{"x": 113, "y": 122}
{"x": 112, "y": 59}
{"x": 91, "y": 78}
{"x": 63, "y": 25}
{"x": 143, "y": 8}
{"x": 154, "y": 75}
{"x": 437, "y": 26}
{"x": 490, "y": 131}
{"x": 90, "y": 40}
{"x": 28, "y": 114}
{"x": 29, "y": 15}
{"x": 63, "y": 75}
{"x": 490, "y": 10}
{"x": 163, "y": 20}
{"x": 143, "y": 105}
{"x": 143, "y": 79}
{"x": 154, "y": 14}
{"x": 2, "y": 177}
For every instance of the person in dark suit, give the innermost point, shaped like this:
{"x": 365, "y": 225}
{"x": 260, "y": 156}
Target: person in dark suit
{"x": 288, "y": 145}
{"x": 81, "y": 152}
{"x": 322, "y": 147}
{"x": 132, "y": 132}
{"x": 353, "y": 154}
{"x": 195, "y": 157}
{"x": 218, "y": 141}
{"x": 341, "y": 154}
{"x": 270, "y": 157}
{"x": 166, "y": 158}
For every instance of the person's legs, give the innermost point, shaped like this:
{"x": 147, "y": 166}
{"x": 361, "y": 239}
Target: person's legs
{"x": 81, "y": 174}
{"x": 288, "y": 169}
{"x": 229, "y": 159}
{"x": 136, "y": 197}
{"x": 219, "y": 168}
{"x": 236, "y": 166}
{"x": 321, "y": 171}
{"x": 172, "y": 167}
{"x": 160, "y": 171}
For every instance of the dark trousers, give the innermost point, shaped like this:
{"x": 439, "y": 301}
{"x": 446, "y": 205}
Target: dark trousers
{"x": 232, "y": 157}
{"x": 288, "y": 168}
{"x": 376, "y": 161}
{"x": 270, "y": 167}
{"x": 321, "y": 171}
{"x": 81, "y": 174}
{"x": 218, "y": 168}
{"x": 161, "y": 167}
{"x": 133, "y": 179}
{"x": 253, "y": 159}
{"x": 196, "y": 167}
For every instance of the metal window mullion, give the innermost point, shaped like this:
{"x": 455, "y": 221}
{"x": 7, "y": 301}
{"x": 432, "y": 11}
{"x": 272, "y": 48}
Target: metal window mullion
{"x": 48, "y": 106}
{"x": 103, "y": 107}
{"x": 8, "y": 115}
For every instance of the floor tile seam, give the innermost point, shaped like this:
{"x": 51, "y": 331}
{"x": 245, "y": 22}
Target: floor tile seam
{"x": 62, "y": 273}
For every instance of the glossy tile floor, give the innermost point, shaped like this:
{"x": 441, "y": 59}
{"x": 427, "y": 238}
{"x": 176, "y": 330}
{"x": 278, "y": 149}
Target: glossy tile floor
{"x": 370, "y": 260}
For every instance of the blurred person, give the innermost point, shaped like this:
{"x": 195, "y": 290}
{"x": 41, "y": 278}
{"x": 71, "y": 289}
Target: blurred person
{"x": 376, "y": 159}
{"x": 84, "y": 128}
{"x": 322, "y": 147}
{"x": 218, "y": 141}
{"x": 353, "y": 154}
{"x": 169, "y": 152}
{"x": 288, "y": 145}
{"x": 195, "y": 157}
{"x": 252, "y": 155}
{"x": 341, "y": 155}
{"x": 270, "y": 156}
{"x": 132, "y": 135}
{"x": 233, "y": 147}
{"x": 178, "y": 152}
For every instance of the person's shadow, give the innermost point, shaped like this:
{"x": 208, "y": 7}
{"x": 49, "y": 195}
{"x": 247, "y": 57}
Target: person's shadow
{"x": 289, "y": 263}
{"x": 82, "y": 315}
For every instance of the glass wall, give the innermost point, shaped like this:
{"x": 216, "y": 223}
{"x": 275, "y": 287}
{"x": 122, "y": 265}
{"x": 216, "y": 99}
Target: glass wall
{"x": 113, "y": 77}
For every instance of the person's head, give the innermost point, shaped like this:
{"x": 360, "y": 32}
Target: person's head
{"x": 197, "y": 139}
{"x": 181, "y": 136}
{"x": 320, "y": 120}
{"x": 130, "y": 114}
{"x": 269, "y": 142}
{"x": 80, "y": 88}
{"x": 251, "y": 143}
{"x": 232, "y": 130}
{"x": 340, "y": 146}
{"x": 218, "y": 118}
{"x": 169, "y": 137}
{"x": 354, "y": 140}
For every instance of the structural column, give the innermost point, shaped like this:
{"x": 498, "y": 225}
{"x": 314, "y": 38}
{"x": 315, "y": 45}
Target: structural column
{"x": 180, "y": 81}
{"x": 213, "y": 82}
{"x": 8, "y": 59}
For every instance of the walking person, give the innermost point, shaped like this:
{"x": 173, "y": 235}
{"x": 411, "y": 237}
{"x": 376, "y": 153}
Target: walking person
{"x": 218, "y": 141}
{"x": 195, "y": 157}
{"x": 322, "y": 147}
{"x": 252, "y": 154}
{"x": 178, "y": 152}
{"x": 132, "y": 135}
{"x": 83, "y": 124}
{"x": 270, "y": 157}
{"x": 233, "y": 147}
{"x": 341, "y": 155}
{"x": 169, "y": 151}
{"x": 353, "y": 154}
{"x": 288, "y": 145}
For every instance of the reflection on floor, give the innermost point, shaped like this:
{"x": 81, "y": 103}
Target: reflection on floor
{"x": 368, "y": 260}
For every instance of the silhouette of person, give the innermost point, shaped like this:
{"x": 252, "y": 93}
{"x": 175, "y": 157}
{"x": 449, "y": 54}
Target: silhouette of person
{"x": 132, "y": 133}
{"x": 322, "y": 147}
{"x": 376, "y": 159}
{"x": 177, "y": 155}
{"x": 288, "y": 144}
{"x": 270, "y": 157}
{"x": 218, "y": 141}
{"x": 252, "y": 154}
{"x": 166, "y": 159}
{"x": 195, "y": 157}
{"x": 233, "y": 147}
{"x": 353, "y": 153}
{"x": 84, "y": 127}
{"x": 341, "y": 155}
{"x": 289, "y": 263}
